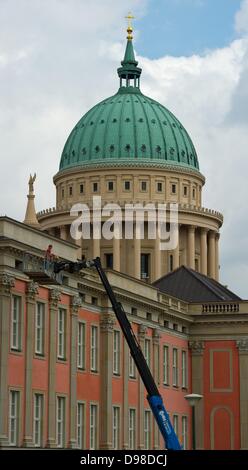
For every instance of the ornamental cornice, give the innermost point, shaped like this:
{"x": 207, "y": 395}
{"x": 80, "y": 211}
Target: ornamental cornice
{"x": 129, "y": 164}
{"x": 223, "y": 321}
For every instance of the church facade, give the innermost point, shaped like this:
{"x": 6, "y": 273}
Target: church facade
{"x": 66, "y": 375}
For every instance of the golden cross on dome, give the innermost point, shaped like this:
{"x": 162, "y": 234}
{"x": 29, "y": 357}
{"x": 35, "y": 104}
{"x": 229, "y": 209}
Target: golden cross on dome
{"x": 129, "y": 18}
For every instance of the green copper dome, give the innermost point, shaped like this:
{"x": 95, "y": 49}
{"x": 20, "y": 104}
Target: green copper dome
{"x": 129, "y": 129}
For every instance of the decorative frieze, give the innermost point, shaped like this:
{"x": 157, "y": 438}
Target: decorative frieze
{"x": 197, "y": 347}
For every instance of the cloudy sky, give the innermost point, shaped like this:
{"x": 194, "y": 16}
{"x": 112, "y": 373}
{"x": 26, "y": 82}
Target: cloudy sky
{"x": 59, "y": 57}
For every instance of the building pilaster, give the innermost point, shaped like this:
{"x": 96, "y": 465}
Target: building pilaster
{"x": 157, "y": 258}
{"x": 242, "y": 346}
{"x": 55, "y": 297}
{"x": 106, "y": 367}
{"x": 204, "y": 252}
{"x": 125, "y": 395}
{"x": 155, "y": 372}
{"x": 6, "y": 284}
{"x": 31, "y": 293}
{"x": 63, "y": 232}
{"x": 96, "y": 232}
{"x": 140, "y": 442}
{"x": 75, "y": 306}
{"x": 191, "y": 247}
{"x": 137, "y": 253}
{"x": 117, "y": 248}
{"x": 217, "y": 260}
{"x": 211, "y": 254}
{"x": 176, "y": 253}
{"x": 197, "y": 351}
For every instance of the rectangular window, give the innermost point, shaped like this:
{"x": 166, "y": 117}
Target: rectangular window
{"x": 175, "y": 423}
{"x": 145, "y": 262}
{"x": 81, "y": 345}
{"x": 110, "y": 186}
{"x": 40, "y": 328}
{"x": 93, "y": 427}
{"x": 82, "y": 296}
{"x": 80, "y": 425}
{"x": 95, "y": 187}
{"x": 175, "y": 368}
{"x": 81, "y": 188}
{"x": 185, "y": 190}
{"x": 159, "y": 187}
{"x": 14, "y": 407}
{"x": 166, "y": 365}
{"x": 193, "y": 193}
{"x": 185, "y": 432}
{"x": 109, "y": 260}
{"x": 173, "y": 189}
{"x": 127, "y": 185}
{"x": 171, "y": 262}
{"x": 132, "y": 368}
{"x": 94, "y": 349}
{"x": 131, "y": 428}
{"x": 147, "y": 429}
{"x": 70, "y": 190}
{"x": 184, "y": 369}
{"x": 143, "y": 185}
{"x": 38, "y": 419}
{"x": 147, "y": 352}
{"x": 63, "y": 193}
{"x": 60, "y": 421}
{"x": 94, "y": 300}
{"x": 116, "y": 352}
{"x": 134, "y": 311}
{"x": 16, "y": 314}
{"x": 116, "y": 427}
{"x": 61, "y": 333}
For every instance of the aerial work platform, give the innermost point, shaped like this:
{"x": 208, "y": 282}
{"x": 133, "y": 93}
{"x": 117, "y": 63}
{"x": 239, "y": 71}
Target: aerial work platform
{"x": 41, "y": 271}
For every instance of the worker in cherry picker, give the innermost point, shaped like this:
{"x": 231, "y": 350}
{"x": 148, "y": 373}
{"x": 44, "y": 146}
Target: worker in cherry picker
{"x": 49, "y": 256}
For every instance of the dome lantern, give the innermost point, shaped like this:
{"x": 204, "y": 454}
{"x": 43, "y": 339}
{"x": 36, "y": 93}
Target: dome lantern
{"x": 129, "y": 73}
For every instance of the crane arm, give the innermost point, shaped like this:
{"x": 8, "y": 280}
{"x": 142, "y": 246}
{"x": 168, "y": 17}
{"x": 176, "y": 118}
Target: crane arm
{"x": 153, "y": 396}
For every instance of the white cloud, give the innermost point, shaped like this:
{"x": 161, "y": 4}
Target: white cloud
{"x": 58, "y": 58}
{"x": 241, "y": 18}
